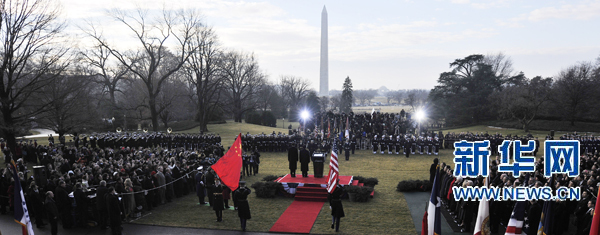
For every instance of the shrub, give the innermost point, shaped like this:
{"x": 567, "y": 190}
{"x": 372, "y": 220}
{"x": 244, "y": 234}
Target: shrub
{"x": 265, "y": 189}
{"x": 359, "y": 178}
{"x": 423, "y": 185}
{"x": 270, "y": 178}
{"x": 268, "y": 119}
{"x": 363, "y": 194}
{"x": 413, "y": 185}
{"x": 370, "y": 182}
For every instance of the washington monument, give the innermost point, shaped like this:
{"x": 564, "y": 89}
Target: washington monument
{"x": 324, "y": 88}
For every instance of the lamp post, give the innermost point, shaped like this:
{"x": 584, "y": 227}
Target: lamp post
{"x": 283, "y": 123}
{"x": 304, "y": 115}
{"x": 420, "y": 115}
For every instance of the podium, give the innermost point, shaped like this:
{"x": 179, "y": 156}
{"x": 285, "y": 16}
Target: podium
{"x": 318, "y": 159}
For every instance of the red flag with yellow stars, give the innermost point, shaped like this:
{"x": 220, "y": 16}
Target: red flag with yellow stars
{"x": 228, "y": 168}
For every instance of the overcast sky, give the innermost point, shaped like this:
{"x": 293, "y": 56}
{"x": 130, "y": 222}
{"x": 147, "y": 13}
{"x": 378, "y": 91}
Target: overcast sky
{"x": 397, "y": 44}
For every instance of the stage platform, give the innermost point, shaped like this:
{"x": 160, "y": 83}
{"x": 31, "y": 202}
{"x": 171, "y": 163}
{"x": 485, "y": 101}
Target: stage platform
{"x": 291, "y": 183}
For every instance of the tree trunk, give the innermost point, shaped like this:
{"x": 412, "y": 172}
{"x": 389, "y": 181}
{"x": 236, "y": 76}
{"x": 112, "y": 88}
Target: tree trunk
{"x": 153, "y": 112}
{"x": 526, "y": 127}
{"x": 9, "y": 132}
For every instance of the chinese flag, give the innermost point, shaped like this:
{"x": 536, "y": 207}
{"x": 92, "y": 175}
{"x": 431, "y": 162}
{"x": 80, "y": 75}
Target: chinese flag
{"x": 228, "y": 168}
{"x": 595, "y": 229}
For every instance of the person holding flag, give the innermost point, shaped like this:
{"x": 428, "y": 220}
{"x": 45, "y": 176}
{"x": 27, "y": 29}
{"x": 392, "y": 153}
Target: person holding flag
{"x": 20, "y": 206}
{"x": 595, "y": 228}
{"x": 517, "y": 219}
{"x": 335, "y": 190}
{"x": 228, "y": 170}
{"x": 482, "y": 225}
{"x": 432, "y": 221}
{"x": 545, "y": 225}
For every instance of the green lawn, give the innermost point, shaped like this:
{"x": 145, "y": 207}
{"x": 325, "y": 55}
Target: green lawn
{"x": 386, "y": 213}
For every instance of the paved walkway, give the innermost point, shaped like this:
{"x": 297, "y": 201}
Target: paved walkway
{"x": 417, "y": 202}
{"x": 9, "y": 227}
{"x": 42, "y": 133}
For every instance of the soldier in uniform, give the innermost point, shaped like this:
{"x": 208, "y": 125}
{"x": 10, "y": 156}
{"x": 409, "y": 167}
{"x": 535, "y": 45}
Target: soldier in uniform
{"x": 347, "y": 150}
{"x": 240, "y": 197}
{"x": 382, "y": 144}
{"x": 245, "y": 167}
{"x": 436, "y": 145}
{"x": 218, "y": 205}
{"x": 429, "y": 145}
{"x": 374, "y": 143}
{"x": 337, "y": 209}
{"x": 390, "y": 144}
{"x": 353, "y": 144}
{"x": 256, "y": 160}
{"x": 398, "y": 143}
{"x": 408, "y": 147}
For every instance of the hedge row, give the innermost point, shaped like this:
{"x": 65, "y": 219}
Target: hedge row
{"x": 413, "y": 185}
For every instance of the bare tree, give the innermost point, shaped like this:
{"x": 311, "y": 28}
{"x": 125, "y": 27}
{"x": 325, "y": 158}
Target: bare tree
{"x": 31, "y": 57}
{"x": 324, "y": 103}
{"x": 150, "y": 63}
{"x": 203, "y": 73}
{"x": 66, "y": 97}
{"x": 243, "y": 80}
{"x": 97, "y": 60}
{"x": 293, "y": 90}
{"x": 501, "y": 65}
{"x": 524, "y": 102}
{"x": 573, "y": 86}
{"x": 365, "y": 96}
{"x": 173, "y": 102}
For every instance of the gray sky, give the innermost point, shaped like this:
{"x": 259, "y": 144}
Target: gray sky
{"x": 398, "y": 44}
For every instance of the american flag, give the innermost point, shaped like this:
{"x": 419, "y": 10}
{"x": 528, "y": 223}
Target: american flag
{"x": 334, "y": 171}
{"x": 517, "y": 219}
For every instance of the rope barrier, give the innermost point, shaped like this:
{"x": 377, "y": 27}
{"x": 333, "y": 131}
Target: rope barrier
{"x": 155, "y": 188}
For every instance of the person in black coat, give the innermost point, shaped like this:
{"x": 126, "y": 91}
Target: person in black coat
{"x": 101, "y": 193}
{"x": 337, "y": 209}
{"x": 407, "y": 147}
{"x": 114, "y": 211}
{"x": 37, "y": 204}
{"x": 347, "y": 150}
{"x": 304, "y": 161}
{"x": 52, "y": 212}
{"x": 177, "y": 185}
{"x": 241, "y": 199}
{"x": 218, "y": 205}
{"x": 82, "y": 202}
{"x": 256, "y": 157}
{"x": 209, "y": 182}
{"x": 200, "y": 187}
{"x": 64, "y": 203}
{"x": 534, "y": 214}
{"x": 293, "y": 160}
{"x": 432, "y": 170}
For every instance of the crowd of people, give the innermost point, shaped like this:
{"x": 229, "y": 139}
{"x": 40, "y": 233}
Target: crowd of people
{"x": 565, "y": 214}
{"x": 81, "y": 179}
{"x": 111, "y": 177}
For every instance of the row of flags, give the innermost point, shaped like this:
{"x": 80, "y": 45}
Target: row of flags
{"x": 431, "y": 224}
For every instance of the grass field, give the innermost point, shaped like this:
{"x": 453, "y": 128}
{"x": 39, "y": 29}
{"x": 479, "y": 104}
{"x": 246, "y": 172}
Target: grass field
{"x": 386, "y": 213}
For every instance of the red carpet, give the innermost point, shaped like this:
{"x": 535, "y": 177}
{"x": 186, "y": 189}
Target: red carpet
{"x": 299, "y": 217}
